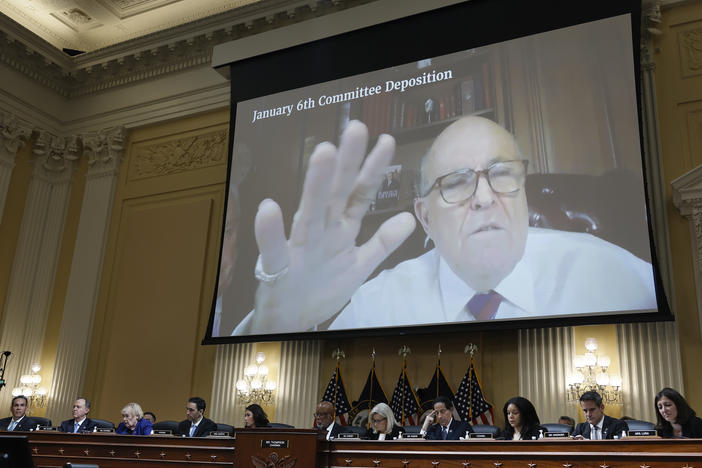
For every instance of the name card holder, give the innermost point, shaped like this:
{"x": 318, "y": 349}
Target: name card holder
{"x": 47, "y": 428}
{"x": 349, "y": 435}
{"x": 219, "y": 434}
{"x": 412, "y": 435}
{"x": 480, "y": 435}
{"x": 162, "y": 432}
{"x": 104, "y": 429}
{"x": 556, "y": 435}
{"x": 642, "y": 433}
{"x": 275, "y": 444}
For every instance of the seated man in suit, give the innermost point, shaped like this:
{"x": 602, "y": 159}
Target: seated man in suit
{"x": 196, "y": 424}
{"x": 80, "y": 422}
{"x": 597, "y": 425}
{"x": 324, "y": 417}
{"x": 446, "y": 428}
{"x": 19, "y": 421}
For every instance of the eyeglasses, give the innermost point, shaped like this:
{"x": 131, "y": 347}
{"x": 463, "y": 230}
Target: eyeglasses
{"x": 502, "y": 176}
{"x": 378, "y": 421}
{"x": 322, "y": 415}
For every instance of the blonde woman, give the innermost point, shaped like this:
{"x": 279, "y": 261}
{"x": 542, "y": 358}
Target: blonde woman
{"x": 133, "y": 422}
{"x": 383, "y": 424}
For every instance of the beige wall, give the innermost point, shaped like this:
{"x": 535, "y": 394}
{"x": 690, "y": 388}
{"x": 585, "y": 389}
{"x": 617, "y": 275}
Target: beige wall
{"x": 679, "y": 93}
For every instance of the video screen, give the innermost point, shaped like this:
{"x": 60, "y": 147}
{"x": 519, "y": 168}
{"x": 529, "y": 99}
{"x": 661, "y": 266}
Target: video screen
{"x": 499, "y": 185}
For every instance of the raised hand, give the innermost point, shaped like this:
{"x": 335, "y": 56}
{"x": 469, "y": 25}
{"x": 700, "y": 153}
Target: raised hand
{"x": 305, "y": 279}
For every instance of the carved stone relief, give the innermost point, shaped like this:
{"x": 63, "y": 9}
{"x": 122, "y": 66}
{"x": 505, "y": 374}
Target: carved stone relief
{"x": 104, "y": 151}
{"x": 12, "y": 137}
{"x": 691, "y": 51}
{"x": 55, "y": 156}
{"x": 179, "y": 155}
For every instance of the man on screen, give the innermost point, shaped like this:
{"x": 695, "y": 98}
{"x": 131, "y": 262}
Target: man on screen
{"x": 487, "y": 264}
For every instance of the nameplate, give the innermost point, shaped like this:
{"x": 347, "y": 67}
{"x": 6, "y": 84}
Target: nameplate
{"x": 275, "y": 444}
{"x": 412, "y": 435}
{"x": 47, "y": 428}
{"x": 348, "y": 435}
{"x": 219, "y": 434}
{"x": 480, "y": 435}
{"x": 647, "y": 433}
{"x": 104, "y": 429}
{"x": 163, "y": 432}
{"x": 556, "y": 434}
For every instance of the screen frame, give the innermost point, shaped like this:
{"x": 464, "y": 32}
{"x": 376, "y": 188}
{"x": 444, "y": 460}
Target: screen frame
{"x": 466, "y": 25}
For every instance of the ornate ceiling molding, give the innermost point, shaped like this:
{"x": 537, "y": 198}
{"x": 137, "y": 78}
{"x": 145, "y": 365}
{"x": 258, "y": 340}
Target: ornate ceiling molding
{"x": 155, "y": 55}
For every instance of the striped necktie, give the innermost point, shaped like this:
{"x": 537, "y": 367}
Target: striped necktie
{"x": 12, "y": 426}
{"x": 484, "y": 306}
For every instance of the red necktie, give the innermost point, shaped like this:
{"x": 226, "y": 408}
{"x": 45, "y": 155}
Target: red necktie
{"x": 484, "y": 306}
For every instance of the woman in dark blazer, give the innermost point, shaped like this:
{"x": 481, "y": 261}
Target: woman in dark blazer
{"x": 383, "y": 424}
{"x": 521, "y": 420}
{"x": 674, "y": 416}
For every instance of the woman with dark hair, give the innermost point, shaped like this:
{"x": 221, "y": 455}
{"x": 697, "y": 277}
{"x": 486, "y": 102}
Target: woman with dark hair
{"x": 521, "y": 420}
{"x": 255, "y": 416}
{"x": 674, "y": 416}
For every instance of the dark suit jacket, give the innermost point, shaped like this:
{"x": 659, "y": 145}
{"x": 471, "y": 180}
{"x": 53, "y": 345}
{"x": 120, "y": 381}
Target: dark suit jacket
{"x": 203, "y": 429}
{"x": 456, "y": 429}
{"x": 87, "y": 425}
{"x": 610, "y": 427}
{"x": 25, "y": 424}
{"x": 393, "y": 435}
{"x": 336, "y": 430}
{"x": 692, "y": 429}
{"x": 528, "y": 433}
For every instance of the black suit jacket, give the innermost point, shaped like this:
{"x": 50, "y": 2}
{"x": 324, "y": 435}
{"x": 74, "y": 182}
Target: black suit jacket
{"x": 203, "y": 429}
{"x": 610, "y": 427}
{"x": 456, "y": 429}
{"x": 336, "y": 430}
{"x": 25, "y": 424}
{"x": 87, "y": 425}
{"x": 394, "y": 434}
{"x": 692, "y": 428}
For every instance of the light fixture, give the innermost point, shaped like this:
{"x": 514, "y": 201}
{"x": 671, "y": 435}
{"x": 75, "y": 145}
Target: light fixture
{"x": 591, "y": 375}
{"x": 254, "y": 386}
{"x": 29, "y": 387}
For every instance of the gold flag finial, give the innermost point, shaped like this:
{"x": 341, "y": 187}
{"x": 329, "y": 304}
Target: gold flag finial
{"x": 404, "y": 351}
{"x": 373, "y": 354}
{"x": 470, "y": 349}
{"x": 339, "y": 354}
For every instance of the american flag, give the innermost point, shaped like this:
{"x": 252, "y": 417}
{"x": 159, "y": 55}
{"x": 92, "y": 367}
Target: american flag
{"x": 371, "y": 395}
{"x": 470, "y": 403}
{"x": 404, "y": 402}
{"x": 438, "y": 386}
{"x": 336, "y": 395}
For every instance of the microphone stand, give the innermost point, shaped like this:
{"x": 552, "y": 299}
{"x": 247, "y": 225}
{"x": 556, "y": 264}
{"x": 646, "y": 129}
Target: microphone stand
{"x": 3, "y": 364}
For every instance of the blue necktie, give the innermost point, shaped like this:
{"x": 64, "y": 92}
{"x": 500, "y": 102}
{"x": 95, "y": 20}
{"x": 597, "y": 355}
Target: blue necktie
{"x": 75, "y": 429}
{"x": 192, "y": 429}
{"x": 484, "y": 306}
{"x": 12, "y": 426}
{"x": 444, "y": 432}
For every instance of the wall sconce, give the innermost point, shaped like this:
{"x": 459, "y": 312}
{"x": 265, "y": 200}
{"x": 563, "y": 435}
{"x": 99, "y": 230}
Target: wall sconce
{"x": 255, "y": 387}
{"x": 29, "y": 387}
{"x": 591, "y": 375}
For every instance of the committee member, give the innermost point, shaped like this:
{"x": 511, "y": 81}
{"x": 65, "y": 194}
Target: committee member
{"x": 196, "y": 424}
{"x": 19, "y": 421}
{"x": 383, "y": 425}
{"x": 487, "y": 262}
{"x": 446, "y": 428}
{"x": 254, "y": 416}
{"x": 597, "y": 425}
{"x": 324, "y": 417}
{"x": 568, "y": 421}
{"x": 80, "y": 422}
{"x": 133, "y": 422}
{"x": 674, "y": 416}
{"x": 150, "y": 416}
{"x": 521, "y": 420}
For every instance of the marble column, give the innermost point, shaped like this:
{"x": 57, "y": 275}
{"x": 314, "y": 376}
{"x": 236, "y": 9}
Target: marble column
{"x": 104, "y": 152}
{"x": 33, "y": 270}
{"x": 12, "y": 137}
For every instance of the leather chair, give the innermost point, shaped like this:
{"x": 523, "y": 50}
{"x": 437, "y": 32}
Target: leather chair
{"x": 45, "y": 422}
{"x": 360, "y": 430}
{"x": 103, "y": 424}
{"x": 413, "y": 429}
{"x": 166, "y": 426}
{"x": 486, "y": 429}
{"x": 282, "y": 425}
{"x": 557, "y": 427}
{"x": 225, "y": 428}
{"x": 638, "y": 425}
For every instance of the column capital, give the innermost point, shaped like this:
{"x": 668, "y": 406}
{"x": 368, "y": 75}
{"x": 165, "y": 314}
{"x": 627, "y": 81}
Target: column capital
{"x": 104, "y": 150}
{"x": 13, "y": 136}
{"x": 54, "y": 156}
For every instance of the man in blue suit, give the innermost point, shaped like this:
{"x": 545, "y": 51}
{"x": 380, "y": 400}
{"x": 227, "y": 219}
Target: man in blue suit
{"x": 446, "y": 428}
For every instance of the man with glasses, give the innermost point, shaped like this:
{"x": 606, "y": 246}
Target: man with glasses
{"x": 487, "y": 262}
{"x": 324, "y": 420}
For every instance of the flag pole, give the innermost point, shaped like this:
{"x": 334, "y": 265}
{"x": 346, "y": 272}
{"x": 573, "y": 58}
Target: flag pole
{"x": 338, "y": 354}
{"x": 404, "y": 351}
{"x": 470, "y": 349}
